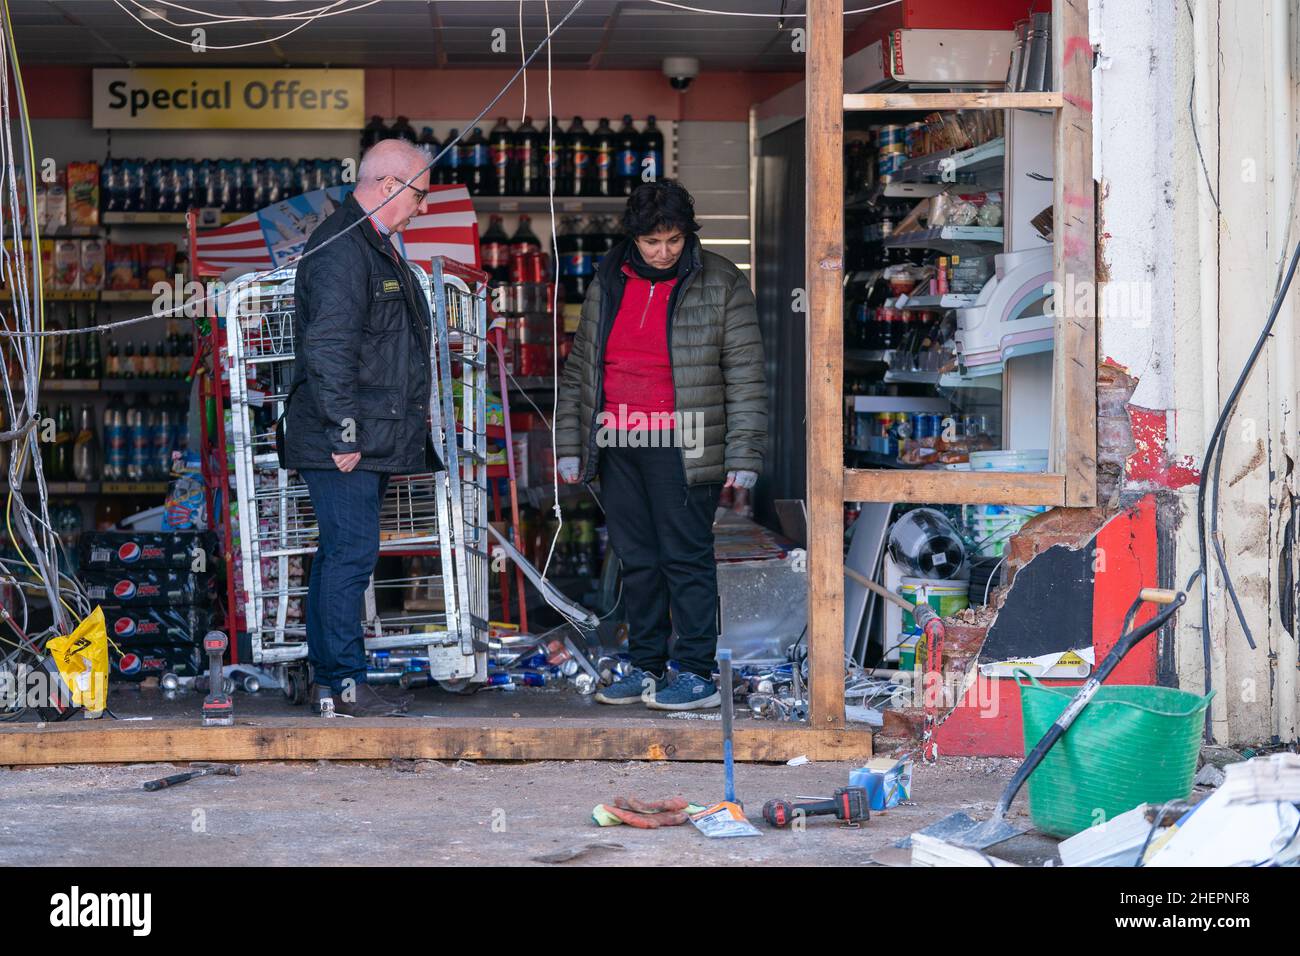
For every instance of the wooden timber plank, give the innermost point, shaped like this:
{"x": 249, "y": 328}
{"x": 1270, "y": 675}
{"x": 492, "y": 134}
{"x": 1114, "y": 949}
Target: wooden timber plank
{"x": 824, "y": 273}
{"x": 292, "y": 738}
{"x": 952, "y": 101}
{"x": 1074, "y": 373}
{"x": 953, "y": 487}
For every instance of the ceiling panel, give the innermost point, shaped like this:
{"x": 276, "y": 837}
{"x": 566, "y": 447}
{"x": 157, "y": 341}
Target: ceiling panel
{"x": 628, "y": 34}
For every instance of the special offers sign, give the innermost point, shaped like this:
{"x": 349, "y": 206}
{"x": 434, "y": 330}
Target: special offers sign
{"x": 229, "y": 99}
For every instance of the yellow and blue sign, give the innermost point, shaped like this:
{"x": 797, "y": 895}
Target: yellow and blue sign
{"x": 229, "y": 99}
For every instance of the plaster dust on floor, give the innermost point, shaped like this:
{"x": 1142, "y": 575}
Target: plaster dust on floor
{"x": 426, "y": 812}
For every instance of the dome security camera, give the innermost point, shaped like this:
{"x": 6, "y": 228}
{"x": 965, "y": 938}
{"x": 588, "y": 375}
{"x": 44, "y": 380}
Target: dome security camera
{"x": 680, "y": 70}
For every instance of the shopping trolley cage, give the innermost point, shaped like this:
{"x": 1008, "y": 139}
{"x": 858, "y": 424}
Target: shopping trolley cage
{"x": 441, "y": 515}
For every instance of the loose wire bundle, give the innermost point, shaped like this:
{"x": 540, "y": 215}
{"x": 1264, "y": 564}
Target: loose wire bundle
{"x": 28, "y": 528}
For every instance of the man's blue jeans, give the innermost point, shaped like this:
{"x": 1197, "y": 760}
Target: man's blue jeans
{"x": 347, "y": 511}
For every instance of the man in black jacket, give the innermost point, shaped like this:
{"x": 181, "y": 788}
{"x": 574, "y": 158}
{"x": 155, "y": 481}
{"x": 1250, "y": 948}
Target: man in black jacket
{"x": 359, "y": 404}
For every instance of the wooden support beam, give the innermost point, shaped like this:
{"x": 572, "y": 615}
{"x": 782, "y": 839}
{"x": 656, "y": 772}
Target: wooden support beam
{"x": 824, "y": 273}
{"x": 953, "y": 487}
{"x": 1074, "y": 371}
{"x": 444, "y": 738}
{"x": 952, "y": 101}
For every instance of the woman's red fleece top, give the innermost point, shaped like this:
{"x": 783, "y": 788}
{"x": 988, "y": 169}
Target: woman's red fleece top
{"x": 638, "y": 373}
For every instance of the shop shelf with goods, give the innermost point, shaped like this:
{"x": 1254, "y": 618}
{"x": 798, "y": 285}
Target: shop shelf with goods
{"x": 525, "y": 292}
{"x": 922, "y": 269}
{"x": 514, "y": 164}
{"x": 110, "y": 438}
{"x": 162, "y": 218}
{"x": 507, "y": 170}
{"x": 1045, "y": 170}
{"x": 133, "y": 377}
{"x": 534, "y": 343}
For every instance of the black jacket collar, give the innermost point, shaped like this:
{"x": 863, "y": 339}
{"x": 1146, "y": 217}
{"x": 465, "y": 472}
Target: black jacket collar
{"x": 419, "y": 310}
{"x": 380, "y": 243}
{"x": 611, "y": 267}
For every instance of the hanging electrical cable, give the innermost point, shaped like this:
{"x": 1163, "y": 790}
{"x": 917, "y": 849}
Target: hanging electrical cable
{"x": 37, "y": 332}
{"x": 216, "y": 19}
{"x": 1210, "y": 477}
{"x": 523, "y": 112}
{"x": 34, "y": 528}
{"x": 37, "y": 546}
{"x": 1280, "y": 288}
{"x": 212, "y": 297}
{"x": 555, "y": 303}
{"x": 236, "y": 46}
{"x": 765, "y": 16}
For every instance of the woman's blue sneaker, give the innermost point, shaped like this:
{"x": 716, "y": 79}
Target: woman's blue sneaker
{"x": 688, "y": 692}
{"x": 632, "y": 688}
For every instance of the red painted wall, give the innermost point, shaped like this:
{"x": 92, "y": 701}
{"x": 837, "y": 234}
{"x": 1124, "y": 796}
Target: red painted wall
{"x": 58, "y": 92}
{"x": 987, "y": 722}
{"x": 964, "y": 15}
{"x": 456, "y": 94}
{"x": 1128, "y": 546}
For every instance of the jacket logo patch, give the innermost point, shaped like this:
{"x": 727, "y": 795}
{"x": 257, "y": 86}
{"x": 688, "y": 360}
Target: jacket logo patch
{"x": 392, "y": 285}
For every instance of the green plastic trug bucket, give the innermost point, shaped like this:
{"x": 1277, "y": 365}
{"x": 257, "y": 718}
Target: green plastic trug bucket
{"x": 1132, "y": 744}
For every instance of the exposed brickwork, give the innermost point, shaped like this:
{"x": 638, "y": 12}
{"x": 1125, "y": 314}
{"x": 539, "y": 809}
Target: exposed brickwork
{"x": 906, "y": 723}
{"x": 1072, "y": 527}
{"x": 962, "y": 643}
{"x": 1115, "y": 387}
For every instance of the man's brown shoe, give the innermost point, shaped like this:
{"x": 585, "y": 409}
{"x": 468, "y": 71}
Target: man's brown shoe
{"x": 362, "y": 700}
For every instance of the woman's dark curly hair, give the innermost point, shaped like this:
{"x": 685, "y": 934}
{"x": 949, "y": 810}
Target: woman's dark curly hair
{"x": 662, "y": 204}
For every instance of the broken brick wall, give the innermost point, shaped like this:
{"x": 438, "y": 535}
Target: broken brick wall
{"x": 1132, "y": 461}
{"x": 1074, "y": 527}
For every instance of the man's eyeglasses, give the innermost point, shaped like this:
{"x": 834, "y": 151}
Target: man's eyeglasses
{"x": 419, "y": 193}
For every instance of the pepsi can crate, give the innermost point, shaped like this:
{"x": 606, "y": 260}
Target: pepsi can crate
{"x": 153, "y": 659}
{"x": 143, "y": 625}
{"x": 146, "y": 588}
{"x": 128, "y": 550}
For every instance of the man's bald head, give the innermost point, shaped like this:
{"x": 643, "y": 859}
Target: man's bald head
{"x": 392, "y": 157}
{"x": 384, "y": 168}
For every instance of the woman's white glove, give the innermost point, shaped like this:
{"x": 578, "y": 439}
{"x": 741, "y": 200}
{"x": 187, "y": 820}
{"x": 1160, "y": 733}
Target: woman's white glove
{"x": 568, "y": 469}
{"x": 741, "y": 479}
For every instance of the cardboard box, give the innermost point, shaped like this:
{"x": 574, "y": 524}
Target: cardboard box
{"x": 888, "y": 782}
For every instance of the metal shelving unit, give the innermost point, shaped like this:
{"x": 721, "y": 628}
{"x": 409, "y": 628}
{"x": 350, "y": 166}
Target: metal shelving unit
{"x": 945, "y": 239}
{"x": 563, "y": 204}
{"x": 985, "y": 158}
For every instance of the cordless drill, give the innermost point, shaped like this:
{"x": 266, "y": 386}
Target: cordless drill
{"x": 218, "y": 708}
{"x": 849, "y": 804}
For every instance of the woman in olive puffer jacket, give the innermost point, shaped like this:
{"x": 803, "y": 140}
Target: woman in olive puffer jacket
{"x": 663, "y": 399}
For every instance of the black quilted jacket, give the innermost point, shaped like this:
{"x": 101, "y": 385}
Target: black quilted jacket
{"x": 361, "y": 345}
{"x": 717, "y": 360}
